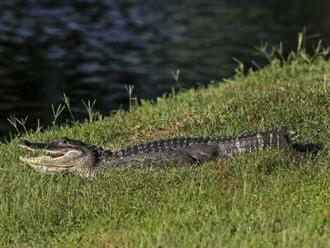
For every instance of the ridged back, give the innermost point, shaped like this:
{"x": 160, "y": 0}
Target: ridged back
{"x": 277, "y": 138}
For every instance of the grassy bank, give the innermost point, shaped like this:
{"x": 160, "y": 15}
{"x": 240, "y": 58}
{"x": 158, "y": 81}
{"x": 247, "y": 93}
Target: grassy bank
{"x": 257, "y": 200}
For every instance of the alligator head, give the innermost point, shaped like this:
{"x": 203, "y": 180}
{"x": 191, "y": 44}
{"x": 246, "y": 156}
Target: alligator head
{"x": 64, "y": 155}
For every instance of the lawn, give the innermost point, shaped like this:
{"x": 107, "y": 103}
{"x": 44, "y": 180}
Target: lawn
{"x": 261, "y": 199}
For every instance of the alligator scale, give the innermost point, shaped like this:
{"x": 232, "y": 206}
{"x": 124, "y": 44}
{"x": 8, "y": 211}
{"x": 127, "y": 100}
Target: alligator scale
{"x": 68, "y": 155}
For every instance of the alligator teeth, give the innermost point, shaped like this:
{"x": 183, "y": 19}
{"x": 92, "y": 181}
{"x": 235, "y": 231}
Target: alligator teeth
{"x": 35, "y": 160}
{"x": 54, "y": 154}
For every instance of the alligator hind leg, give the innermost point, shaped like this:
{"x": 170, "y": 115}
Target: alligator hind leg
{"x": 201, "y": 153}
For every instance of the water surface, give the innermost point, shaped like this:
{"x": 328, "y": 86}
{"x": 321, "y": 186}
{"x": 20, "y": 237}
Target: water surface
{"x": 92, "y": 49}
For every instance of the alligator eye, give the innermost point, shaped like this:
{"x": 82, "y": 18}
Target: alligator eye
{"x": 64, "y": 141}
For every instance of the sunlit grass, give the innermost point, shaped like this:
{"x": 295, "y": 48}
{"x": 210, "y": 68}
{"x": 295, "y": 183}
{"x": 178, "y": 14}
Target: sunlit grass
{"x": 256, "y": 200}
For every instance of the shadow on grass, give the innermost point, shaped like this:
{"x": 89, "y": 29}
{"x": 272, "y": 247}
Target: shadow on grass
{"x": 311, "y": 148}
{"x": 303, "y": 150}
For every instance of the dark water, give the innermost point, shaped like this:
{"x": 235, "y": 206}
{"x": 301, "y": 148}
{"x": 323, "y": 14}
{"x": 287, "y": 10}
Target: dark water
{"x": 92, "y": 49}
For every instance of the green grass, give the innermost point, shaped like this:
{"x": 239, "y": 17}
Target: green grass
{"x": 260, "y": 199}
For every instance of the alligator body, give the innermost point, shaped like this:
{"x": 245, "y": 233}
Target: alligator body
{"x": 67, "y": 155}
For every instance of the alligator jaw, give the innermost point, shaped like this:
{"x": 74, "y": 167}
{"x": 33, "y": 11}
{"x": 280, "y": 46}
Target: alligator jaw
{"x": 54, "y": 160}
{"x": 40, "y": 166}
{"x": 45, "y": 161}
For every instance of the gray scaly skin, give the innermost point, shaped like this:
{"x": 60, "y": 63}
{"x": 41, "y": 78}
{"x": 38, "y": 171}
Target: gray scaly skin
{"x": 67, "y": 155}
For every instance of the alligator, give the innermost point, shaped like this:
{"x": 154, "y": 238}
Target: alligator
{"x": 73, "y": 156}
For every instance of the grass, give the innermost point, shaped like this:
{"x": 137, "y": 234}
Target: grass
{"x": 260, "y": 199}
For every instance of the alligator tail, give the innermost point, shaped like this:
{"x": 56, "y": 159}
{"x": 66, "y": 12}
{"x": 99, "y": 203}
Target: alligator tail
{"x": 277, "y": 138}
